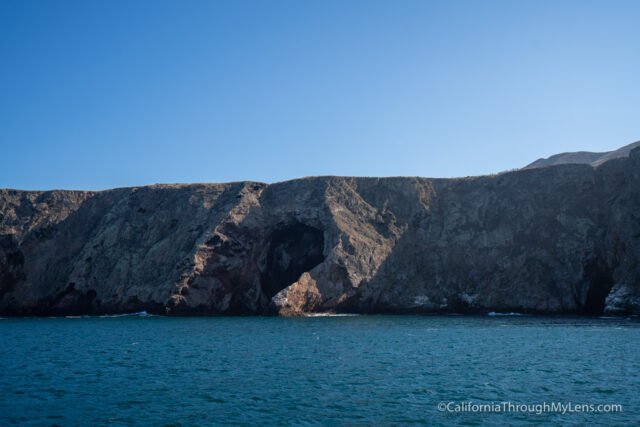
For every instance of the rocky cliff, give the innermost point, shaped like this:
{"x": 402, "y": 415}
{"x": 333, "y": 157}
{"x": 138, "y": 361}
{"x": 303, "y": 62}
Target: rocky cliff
{"x": 558, "y": 239}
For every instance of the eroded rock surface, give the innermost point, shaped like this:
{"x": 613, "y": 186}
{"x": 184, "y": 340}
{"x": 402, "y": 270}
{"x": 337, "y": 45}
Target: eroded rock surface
{"x": 558, "y": 239}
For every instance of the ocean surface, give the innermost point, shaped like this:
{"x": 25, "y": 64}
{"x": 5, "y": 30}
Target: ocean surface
{"x": 344, "y": 370}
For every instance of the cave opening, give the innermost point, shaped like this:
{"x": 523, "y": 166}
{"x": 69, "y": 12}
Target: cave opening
{"x": 601, "y": 282}
{"x": 293, "y": 249}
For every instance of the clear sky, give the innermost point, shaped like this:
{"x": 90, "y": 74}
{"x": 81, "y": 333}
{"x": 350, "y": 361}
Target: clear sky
{"x": 100, "y": 94}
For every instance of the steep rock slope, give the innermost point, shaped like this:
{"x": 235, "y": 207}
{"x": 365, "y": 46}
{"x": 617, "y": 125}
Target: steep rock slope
{"x": 560, "y": 239}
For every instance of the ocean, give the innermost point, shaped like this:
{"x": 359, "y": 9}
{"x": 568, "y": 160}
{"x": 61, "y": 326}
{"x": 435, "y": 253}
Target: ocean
{"x": 327, "y": 370}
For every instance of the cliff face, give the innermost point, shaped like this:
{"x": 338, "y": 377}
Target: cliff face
{"x": 560, "y": 239}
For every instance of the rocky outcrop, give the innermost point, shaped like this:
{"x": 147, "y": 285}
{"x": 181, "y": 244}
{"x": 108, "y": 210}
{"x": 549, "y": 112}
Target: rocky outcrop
{"x": 559, "y": 239}
{"x": 584, "y": 157}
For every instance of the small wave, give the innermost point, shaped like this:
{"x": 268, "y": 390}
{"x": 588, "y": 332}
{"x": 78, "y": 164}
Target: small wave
{"x": 495, "y": 313}
{"x": 103, "y": 316}
{"x": 331, "y": 315}
{"x": 137, "y": 314}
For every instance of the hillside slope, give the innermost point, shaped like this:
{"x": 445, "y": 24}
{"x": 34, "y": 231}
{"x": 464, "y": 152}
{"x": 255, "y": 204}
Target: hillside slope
{"x": 583, "y": 157}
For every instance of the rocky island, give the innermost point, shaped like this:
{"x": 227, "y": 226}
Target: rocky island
{"x": 561, "y": 235}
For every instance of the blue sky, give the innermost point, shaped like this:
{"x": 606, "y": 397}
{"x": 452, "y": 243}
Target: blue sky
{"x": 100, "y": 94}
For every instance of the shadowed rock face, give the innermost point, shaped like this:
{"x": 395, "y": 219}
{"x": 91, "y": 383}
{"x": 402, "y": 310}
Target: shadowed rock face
{"x": 293, "y": 250}
{"x": 559, "y": 239}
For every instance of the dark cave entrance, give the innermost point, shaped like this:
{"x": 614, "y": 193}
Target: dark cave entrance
{"x": 293, "y": 249}
{"x": 601, "y": 282}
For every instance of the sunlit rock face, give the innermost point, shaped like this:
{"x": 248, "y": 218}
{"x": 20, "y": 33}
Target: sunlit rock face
{"x": 553, "y": 239}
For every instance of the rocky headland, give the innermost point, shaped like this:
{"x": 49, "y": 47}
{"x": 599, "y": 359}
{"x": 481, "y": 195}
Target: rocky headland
{"x": 561, "y": 235}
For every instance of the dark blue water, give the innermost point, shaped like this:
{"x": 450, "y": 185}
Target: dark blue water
{"x": 364, "y": 370}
